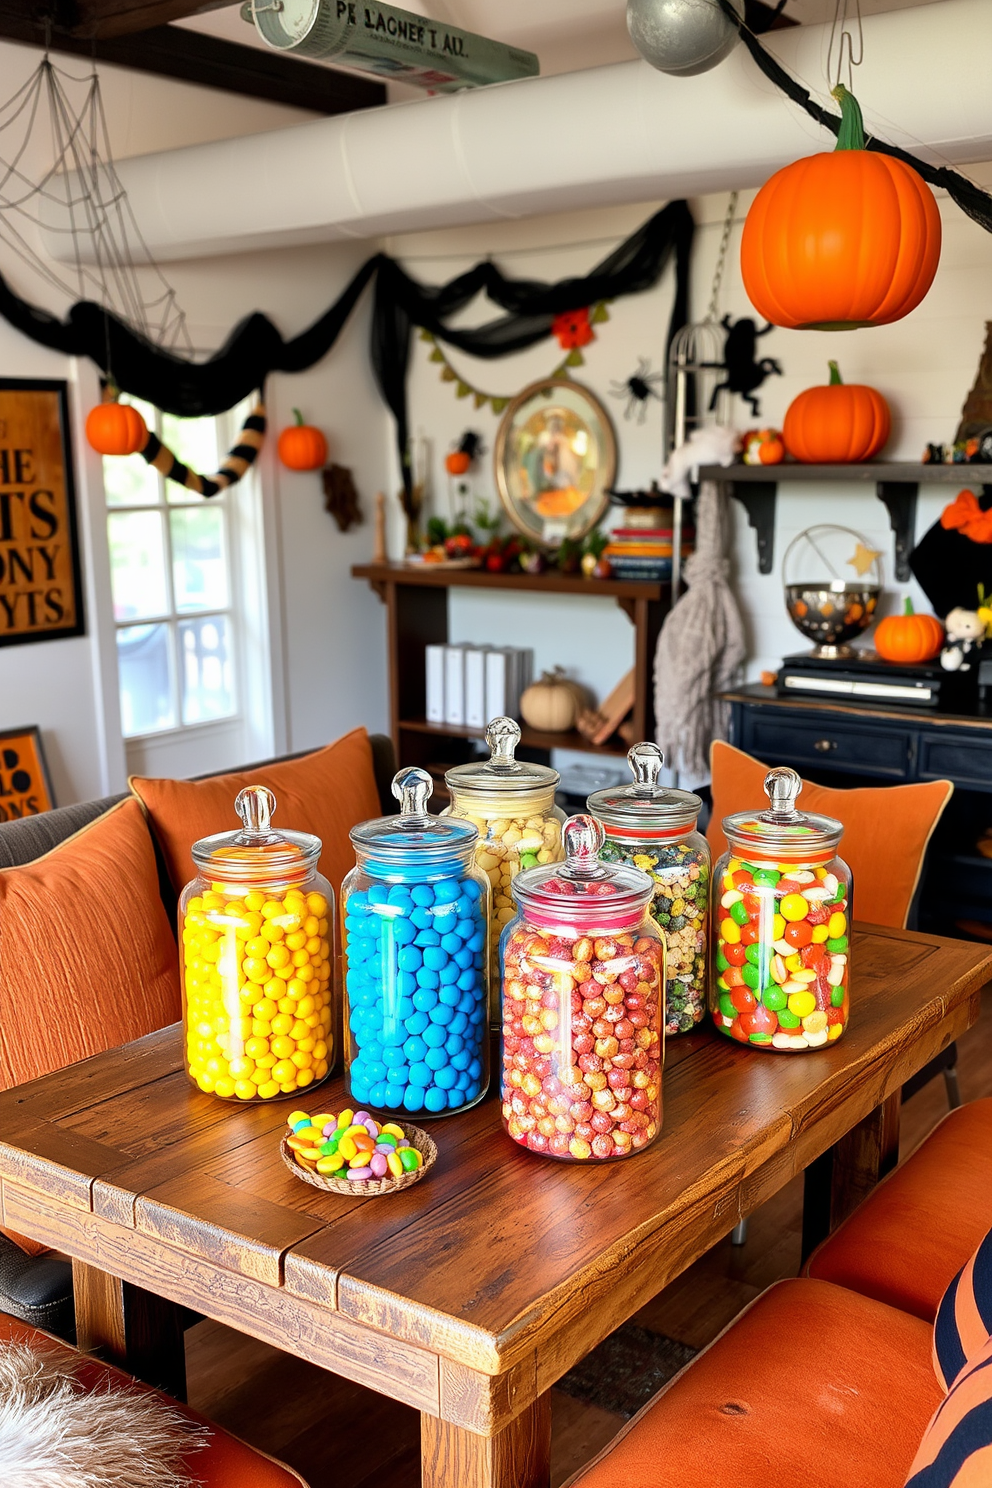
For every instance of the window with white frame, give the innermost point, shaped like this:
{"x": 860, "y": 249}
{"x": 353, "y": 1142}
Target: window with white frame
{"x": 174, "y": 583}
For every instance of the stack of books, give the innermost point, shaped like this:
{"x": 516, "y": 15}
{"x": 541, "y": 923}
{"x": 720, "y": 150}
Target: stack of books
{"x": 644, "y": 552}
{"x": 469, "y": 685}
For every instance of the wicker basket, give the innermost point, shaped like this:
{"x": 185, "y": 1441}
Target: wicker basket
{"x": 369, "y": 1188}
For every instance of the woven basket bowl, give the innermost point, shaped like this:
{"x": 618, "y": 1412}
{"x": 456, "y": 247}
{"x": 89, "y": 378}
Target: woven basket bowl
{"x": 370, "y": 1188}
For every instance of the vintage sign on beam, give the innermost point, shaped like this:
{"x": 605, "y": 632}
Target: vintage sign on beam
{"x": 25, "y": 787}
{"x": 41, "y": 595}
{"x": 389, "y": 43}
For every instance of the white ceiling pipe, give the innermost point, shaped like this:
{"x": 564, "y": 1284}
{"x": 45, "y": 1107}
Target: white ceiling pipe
{"x": 617, "y": 134}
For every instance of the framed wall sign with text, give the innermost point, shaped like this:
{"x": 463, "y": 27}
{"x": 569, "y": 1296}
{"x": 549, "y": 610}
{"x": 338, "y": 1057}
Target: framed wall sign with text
{"x": 41, "y": 597}
{"x": 25, "y": 785}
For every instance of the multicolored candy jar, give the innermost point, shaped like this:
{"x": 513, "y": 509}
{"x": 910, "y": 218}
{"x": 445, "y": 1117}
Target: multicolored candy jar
{"x": 255, "y": 929}
{"x": 782, "y": 909}
{"x": 654, "y": 829}
{"x": 415, "y": 911}
{"x": 512, "y": 805}
{"x": 583, "y": 989}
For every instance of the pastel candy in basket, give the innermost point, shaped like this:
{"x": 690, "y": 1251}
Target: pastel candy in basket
{"x": 351, "y": 1145}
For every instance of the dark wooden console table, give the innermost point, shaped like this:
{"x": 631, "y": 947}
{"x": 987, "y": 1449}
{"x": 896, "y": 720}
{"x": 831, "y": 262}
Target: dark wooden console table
{"x": 848, "y": 743}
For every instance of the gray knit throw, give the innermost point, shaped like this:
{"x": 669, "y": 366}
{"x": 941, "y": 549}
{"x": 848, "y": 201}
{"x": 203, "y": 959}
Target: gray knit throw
{"x": 700, "y": 647}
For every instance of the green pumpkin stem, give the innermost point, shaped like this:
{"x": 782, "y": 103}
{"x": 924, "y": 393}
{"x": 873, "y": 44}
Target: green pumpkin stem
{"x": 851, "y": 135}
{"x": 298, "y": 417}
{"x": 909, "y": 607}
{"x": 835, "y": 378}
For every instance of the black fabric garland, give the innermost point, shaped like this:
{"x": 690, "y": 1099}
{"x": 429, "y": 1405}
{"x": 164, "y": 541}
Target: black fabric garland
{"x": 255, "y": 347}
{"x": 972, "y": 200}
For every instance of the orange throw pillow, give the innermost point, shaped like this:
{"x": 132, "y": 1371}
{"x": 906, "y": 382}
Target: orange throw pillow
{"x": 902, "y": 817}
{"x": 326, "y": 793}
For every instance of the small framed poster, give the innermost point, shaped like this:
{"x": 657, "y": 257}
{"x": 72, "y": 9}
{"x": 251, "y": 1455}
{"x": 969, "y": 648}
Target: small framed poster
{"x": 25, "y": 784}
{"x": 41, "y": 597}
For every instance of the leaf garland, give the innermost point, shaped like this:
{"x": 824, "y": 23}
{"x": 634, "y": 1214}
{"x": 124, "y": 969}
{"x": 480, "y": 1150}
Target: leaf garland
{"x": 498, "y": 402}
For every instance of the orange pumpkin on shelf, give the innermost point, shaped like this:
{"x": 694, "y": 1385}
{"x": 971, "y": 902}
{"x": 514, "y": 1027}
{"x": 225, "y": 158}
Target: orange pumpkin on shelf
{"x": 909, "y": 639}
{"x": 301, "y": 446}
{"x": 839, "y": 424}
{"x": 458, "y": 462}
{"x": 841, "y": 239}
{"x": 114, "y": 428}
{"x": 762, "y": 447}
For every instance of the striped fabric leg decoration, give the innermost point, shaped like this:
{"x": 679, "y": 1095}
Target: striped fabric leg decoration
{"x": 240, "y": 458}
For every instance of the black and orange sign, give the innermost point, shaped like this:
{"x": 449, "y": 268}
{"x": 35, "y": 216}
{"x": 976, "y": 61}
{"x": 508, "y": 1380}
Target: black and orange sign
{"x": 40, "y": 589}
{"x": 25, "y": 787}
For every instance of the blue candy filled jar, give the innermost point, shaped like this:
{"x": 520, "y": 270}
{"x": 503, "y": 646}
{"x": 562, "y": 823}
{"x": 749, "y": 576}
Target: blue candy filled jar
{"x": 414, "y": 913}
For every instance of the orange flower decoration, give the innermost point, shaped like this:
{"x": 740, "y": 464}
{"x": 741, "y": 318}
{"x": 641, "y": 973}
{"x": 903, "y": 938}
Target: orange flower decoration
{"x": 573, "y": 329}
{"x": 964, "y": 515}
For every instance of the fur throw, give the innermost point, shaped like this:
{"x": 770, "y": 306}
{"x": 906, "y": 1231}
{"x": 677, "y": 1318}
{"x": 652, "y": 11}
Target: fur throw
{"x": 56, "y": 1433}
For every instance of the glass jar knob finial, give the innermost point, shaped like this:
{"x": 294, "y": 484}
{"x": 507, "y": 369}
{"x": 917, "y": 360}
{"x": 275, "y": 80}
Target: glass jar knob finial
{"x": 583, "y": 836}
{"x": 413, "y": 788}
{"x": 645, "y": 761}
{"x": 255, "y": 805}
{"x": 782, "y": 786}
{"x": 503, "y": 736}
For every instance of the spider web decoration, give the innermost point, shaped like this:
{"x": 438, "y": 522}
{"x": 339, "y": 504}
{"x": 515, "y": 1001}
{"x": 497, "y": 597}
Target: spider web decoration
{"x": 89, "y": 201}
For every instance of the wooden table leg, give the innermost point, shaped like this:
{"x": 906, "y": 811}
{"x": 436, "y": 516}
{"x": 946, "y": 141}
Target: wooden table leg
{"x": 836, "y": 1183}
{"x": 135, "y": 1329}
{"x": 519, "y": 1457}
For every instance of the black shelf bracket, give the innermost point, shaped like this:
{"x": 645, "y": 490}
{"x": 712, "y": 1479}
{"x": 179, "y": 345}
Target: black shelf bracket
{"x": 758, "y": 500}
{"x": 899, "y": 499}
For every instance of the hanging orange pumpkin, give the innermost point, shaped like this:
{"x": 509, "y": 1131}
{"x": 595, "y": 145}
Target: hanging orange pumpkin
{"x": 838, "y": 424}
{"x": 909, "y": 639}
{"x": 841, "y": 239}
{"x": 458, "y": 462}
{"x": 301, "y": 446}
{"x": 114, "y": 428}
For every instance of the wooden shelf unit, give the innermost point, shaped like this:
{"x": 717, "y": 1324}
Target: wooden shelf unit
{"x": 416, "y": 600}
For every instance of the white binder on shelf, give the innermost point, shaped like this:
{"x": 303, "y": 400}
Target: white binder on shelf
{"x": 454, "y": 685}
{"x": 475, "y": 687}
{"x": 434, "y": 662}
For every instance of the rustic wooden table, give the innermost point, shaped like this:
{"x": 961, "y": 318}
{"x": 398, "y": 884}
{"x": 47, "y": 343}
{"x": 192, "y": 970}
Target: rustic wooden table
{"x": 470, "y": 1294}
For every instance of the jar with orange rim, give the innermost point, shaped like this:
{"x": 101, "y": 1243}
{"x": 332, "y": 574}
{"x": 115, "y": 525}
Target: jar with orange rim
{"x": 782, "y": 917}
{"x": 255, "y": 930}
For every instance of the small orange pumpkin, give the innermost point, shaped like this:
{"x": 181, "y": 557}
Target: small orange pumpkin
{"x": 458, "y": 462}
{"x": 838, "y": 424}
{"x": 909, "y": 639}
{"x": 301, "y": 446}
{"x": 845, "y": 238}
{"x": 114, "y": 428}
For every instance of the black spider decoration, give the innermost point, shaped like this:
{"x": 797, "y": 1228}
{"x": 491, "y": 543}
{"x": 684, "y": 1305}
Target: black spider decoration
{"x": 638, "y": 389}
{"x": 744, "y": 374}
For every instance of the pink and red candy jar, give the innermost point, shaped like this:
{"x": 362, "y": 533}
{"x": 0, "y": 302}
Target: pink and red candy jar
{"x": 583, "y": 978}
{"x": 782, "y": 912}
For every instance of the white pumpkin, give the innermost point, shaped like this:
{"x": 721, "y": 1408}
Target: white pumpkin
{"x": 549, "y": 704}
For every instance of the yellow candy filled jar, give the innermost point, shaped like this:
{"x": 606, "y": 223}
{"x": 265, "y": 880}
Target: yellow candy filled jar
{"x": 782, "y": 918}
{"x": 255, "y": 929}
{"x": 512, "y": 804}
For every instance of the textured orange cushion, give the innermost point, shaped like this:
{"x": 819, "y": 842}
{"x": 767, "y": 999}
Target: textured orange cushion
{"x": 325, "y": 793}
{"x": 901, "y": 816}
{"x": 225, "y": 1462}
{"x": 87, "y": 958}
{"x": 909, "y": 1238}
{"x": 811, "y": 1387}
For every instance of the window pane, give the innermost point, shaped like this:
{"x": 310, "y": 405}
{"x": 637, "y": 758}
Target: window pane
{"x": 199, "y": 558}
{"x": 145, "y": 670}
{"x": 138, "y": 565}
{"x": 130, "y": 481}
{"x": 194, "y": 442}
{"x": 207, "y": 670}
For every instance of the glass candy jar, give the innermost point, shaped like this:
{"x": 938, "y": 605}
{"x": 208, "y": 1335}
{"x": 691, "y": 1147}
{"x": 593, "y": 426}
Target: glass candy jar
{"x": 254, "y": 926}
{"x": 782, "y": 913}
{"x": 654, "y": 829}
{"x": 583, "y": 1006}
{"x": 512, "y": 804}
{"x": 415, "y": 910}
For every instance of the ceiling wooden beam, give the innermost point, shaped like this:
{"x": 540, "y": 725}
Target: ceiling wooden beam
{"x": 120, "y": 17}
{"x": 192, "y": 57}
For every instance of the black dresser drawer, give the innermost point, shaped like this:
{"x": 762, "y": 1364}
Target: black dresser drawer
{"x": 964, "y": 758}
{"x": 788, "y": 739}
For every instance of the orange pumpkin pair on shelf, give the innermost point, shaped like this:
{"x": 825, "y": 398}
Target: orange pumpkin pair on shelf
{"x": 909, "y": 639}
{"x": 301, "y": 446}
{"x": 841, "y": 239}
{"x": 114, "y": 428}
{"x": 762, "y": 447}
{"x": 839, "y": 424}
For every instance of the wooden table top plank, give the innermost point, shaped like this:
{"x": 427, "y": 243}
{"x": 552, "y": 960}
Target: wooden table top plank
{"x": 148, "y": 1118}
{"x": 82, "y": 1084}
{"x": 60, "y": 1163}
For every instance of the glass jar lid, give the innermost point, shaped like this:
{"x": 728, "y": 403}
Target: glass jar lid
{"x": 501, "y": 771}
{"x": 645, "y": 809}
{"x": 782, "y": 831}
{"x": 258, "y": 853}
{"x": 414, "y": 839}
{"x": 583, "y": 891}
